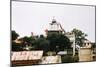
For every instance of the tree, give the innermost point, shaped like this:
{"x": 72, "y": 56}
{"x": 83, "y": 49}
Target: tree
{"x": 14, "y": 35}
{"x": 26, "y": 40}
{"x": 15, "y": 46}
{"x": 37, "y": 43}
{"x": 79, "y": 36}
{"x": 58, "y": 42}
{"x": 41, "y": 43}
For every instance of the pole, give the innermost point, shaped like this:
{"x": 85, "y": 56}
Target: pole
{"x": 74, "y": 45}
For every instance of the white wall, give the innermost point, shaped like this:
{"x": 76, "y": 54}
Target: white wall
{"x": 5, "y": 33}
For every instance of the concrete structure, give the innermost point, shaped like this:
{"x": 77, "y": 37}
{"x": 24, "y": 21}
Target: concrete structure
{"x": 51, "y": 59}
{"x": 94, "y": 54}
{"x": 26, "y": 57}
{"x": 54, "y": 27}
{"x": 85, "y": 54}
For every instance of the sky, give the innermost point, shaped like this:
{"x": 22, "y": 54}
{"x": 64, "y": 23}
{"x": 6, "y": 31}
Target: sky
{"x": 33, "y": 17}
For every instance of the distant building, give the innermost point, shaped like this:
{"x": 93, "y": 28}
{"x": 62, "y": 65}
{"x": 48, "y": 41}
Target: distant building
{"x": 54, "y": 27}
{"x": 18, "y": 41}
{"x": 87, "y": 44}
{"x": 87, "y": 52}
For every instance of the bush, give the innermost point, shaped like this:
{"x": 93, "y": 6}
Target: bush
{"x": 69, "y": 59}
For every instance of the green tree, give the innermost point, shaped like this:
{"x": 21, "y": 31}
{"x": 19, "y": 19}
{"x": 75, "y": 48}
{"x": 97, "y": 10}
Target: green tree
{"x": 41, "y": 43}
{"x": 15, "y": 46}
{"x": 26, "y": 40}
{"x": 36, "y": 43}
{"x": 58, "y": 42}
{"x": 79, "y": 36}
{"x": 14, "y": 35}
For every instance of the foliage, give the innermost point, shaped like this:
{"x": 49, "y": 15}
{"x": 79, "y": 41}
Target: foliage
{"x": 42, "y": 44}
{"x": 58, "y": 42}
{"x": 53, "y": 42}
{"x": 27, "y": 40}
{"x": 14, "y": 35}
{"x": 69, "y": 59}
{"x": 16, "y": 47}
{"x": 79, "y": 36}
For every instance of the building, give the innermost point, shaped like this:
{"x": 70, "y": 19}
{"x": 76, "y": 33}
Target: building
{"x": 87, "y": 44}
{"x": 54, "y": 27}
{"x": 86, "y": 52}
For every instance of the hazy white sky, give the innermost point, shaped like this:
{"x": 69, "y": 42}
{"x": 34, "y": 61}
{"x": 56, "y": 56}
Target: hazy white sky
{"x": 35, "y": 17}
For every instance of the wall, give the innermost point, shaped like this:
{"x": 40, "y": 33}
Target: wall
{"x": 85, "y": 54}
